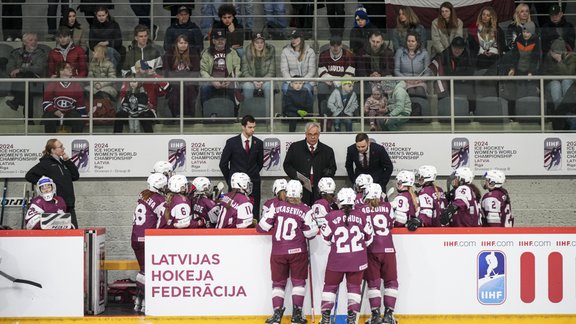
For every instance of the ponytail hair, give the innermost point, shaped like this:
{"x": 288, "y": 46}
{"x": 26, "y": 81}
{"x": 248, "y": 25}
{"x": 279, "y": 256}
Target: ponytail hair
{"x": 346, "y": 209}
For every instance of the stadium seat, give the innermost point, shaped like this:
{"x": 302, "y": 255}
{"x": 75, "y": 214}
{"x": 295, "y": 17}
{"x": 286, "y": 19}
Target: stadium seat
{"x": 218, "y": 107}
{"x": 528, "y": 106}
{"x": 255, "y": 106}
{"x": 461, "y": 109}
{"x": 425, "y": 109}
{"x": 491, "y": 106}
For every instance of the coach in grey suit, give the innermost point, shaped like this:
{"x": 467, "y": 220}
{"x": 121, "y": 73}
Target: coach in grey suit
{"x": 378, "y": 163}
{"x": 245, "y": 153}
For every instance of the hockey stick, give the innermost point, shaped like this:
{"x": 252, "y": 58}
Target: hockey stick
{"x": 218, "y": 190}
{"x": 310, "y": 282}
{"x": 3, "y": 201}
{"x": 333, "y": 320}
{"x": 26, "y": 196}
{"x": 22, "y": 281}
{"x": 389, "y": 193}
{"x": 361, "y": 299}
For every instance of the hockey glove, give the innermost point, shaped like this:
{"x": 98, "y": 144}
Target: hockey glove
{"x": 413, "y": 224}
{"x": 447, "y": 214}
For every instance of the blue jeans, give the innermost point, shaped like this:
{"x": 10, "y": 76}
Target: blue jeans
{"x": 558, "y": 89}
{"x": 246, "y": 10}
{"x": 209, "y": 13}
{"x": 344, "y": 122}
{"x": 248, "y": 90}
{"x": 275, "y": 11}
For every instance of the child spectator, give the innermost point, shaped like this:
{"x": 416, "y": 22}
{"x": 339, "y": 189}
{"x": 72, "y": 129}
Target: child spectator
{"x": 45, "y": 202}
{"x": 496, "y": 207}
{"x": 101, "y": 67}
{"x": 296, "y": 102}
{"x": 405, "y": 203}
{"x": 399, "y": 107}
{"x": 519, "y": 20}
{"x": 361, "y": 31}
{"x": 343, "y": 102}
{"x": 525, "y": 60}
{"x": 376, "y": 105}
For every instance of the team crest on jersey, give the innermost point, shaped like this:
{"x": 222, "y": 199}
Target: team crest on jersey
{"x": 552, "y": 154}
{"x": 460, "y": 152}
{"x": 491, "y": 277}
{"x": 81, "y": 154}
{"x": 271, "y": 154}
{"x": 177, "y": 154}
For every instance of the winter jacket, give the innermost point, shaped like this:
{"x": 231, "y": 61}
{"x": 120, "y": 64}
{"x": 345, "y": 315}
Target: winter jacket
{"x": 72, "y": 54}
{"x": 405, "y": 66}
{"x": 149, "y": 53}
{"x": 399, "y": 36}
{"x": 290, "y": 65}
{"x": 566, "y": 66}
{"x": 365, "y": 58}
{"x": 525, "y": 55}
{"x": 105, "y": 69}
{"x": 336, "y": 105}
{"x": 232, "y": 38}
{"x": 207, "y": 62}
{"x": 106, "y": 31}
{"x": 441, "y": 40}
{"x": 37, "y": 66}
{"x": 550, "y": 33}
{"x": 63, "y": 173}
{"x": 268, "y": 63}
{"x": 295, "y": 100}
{"x": 399, "y": 103}
{"x": 192, "y": 32}
{"x": 359, "y": 37}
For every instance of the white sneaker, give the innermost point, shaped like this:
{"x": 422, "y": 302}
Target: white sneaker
{"x": 138, "y": 304}
{"x": 17, "y": 39}
{"x": 9, "y": 39}
{"x": 143, "y": 307}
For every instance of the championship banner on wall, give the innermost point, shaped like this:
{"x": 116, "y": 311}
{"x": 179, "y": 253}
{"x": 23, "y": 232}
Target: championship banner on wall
{"x": 194, "y": 155}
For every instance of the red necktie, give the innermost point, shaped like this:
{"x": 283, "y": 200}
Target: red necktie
{"x": 311, "y": 168}
{"x": 247, "y": 146}
{"x": 312, "y": 150}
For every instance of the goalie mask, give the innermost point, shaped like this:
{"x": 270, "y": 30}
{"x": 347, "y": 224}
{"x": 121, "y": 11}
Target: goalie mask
{"x": 464, "y": 175}
{"x": 426, "y": 173}
{"x": 279, "y": 185}
{"x": 164, "y": 167}
{"x": 494, "y": 179}
{"x": 346, "y": 196}
{"x": 362, "y": 182}
{"x": 294, "y": 189}
{"x": 202, "y": 185}
{"x": 157, "y": 182}
{"x": 373, "y": 191}
{"x": 405, "y": 178}
{"x": 178, "y": 184}
{"x": 326, "y": 186}
{"x": 46, "y": 188}
{"x": 241, "y": 181}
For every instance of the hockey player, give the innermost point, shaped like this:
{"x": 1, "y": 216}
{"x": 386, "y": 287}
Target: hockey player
{"x": 149, "y": 210}
{"x": 431, "y": 199}
{"x": 235, "y": 206}
{"x": 405, "y": 203}
{"x": 327, "y": 203}
{"x": 291, "y": 223}
{"x": 178, "y": 213}
{"x": 163, "y": 167}
{"x": 45, "y": 202}
{"x": 463, "y": 210}
{"x": 279, "y": 192}
{"x": 349, "y": 232}
{"x": 362, "y": 182}
{"x": 201, "y": 204}
{"x": 496, "y": 207}
{"x": 381, "y": 255}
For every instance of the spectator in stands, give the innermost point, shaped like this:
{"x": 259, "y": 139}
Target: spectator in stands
{"x": 411, "y": 61}
{"x": 233, "y": 30}
{"x": 343, "y": 102}
{"x": 142, "y": 49}
{"x": 63, "y": 100}
{"x": 453, "y": 61}
{"x": 184, "y": 25}
{"x": 53, "y": 13}
{"x": 101, "y": 67}
{"x": 486, "y": 41}
{"x": 376, "y": 106}
{"x": 361, "y": 31}
{"x": 336, "y": 17}
{"x": 106, "y": 31}
{"x": 71, "y": 22}
{"x": 175, "y": 6}
{"x": 516, "y": 27}
{"x": 558, "y": 61}
{"x": 89, "y": 8}
{"x": 182, "y": 61}
{"x": 276, "y": 21}
{"x": 298, "y": 59}
{"x": 557, "y": 28}
{"x": 399, "y": 107}
{"x": 259, "y": 61}
{"x": 407, "y": 21}
{"x": 141, "y": 9}
{"x": 12, "y": 20}
{"x": 140, "y": 100}
{"x": 524, "y": 59}
{"x": 445, "y": 28}
{"x": 28, "y": 61}
{"x": 545, "y": 6}
{"x": 334, "y": 63}
{"x": 67, "y": 51}
{"x": 296, "y": 102}
{"x": 375, "y": 59}
{"x": 218, "y": 61}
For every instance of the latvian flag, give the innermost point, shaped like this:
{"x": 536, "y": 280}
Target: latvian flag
{"x": 466, "y": 10}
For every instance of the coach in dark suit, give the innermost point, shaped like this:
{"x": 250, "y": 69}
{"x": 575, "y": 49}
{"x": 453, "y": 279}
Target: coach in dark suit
{"x": 312, "y": 159}
{"x": 378, "y": 163}
{"x": 244, "y": 153}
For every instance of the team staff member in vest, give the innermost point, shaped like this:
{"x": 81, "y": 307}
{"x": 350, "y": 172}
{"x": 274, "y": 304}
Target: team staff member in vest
{"x": 56, "y": 165}
{"x": 312, "y": 159}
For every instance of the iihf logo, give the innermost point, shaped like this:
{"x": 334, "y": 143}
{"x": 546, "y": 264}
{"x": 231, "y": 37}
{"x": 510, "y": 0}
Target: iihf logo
{"x": 81, "y": 154}
{"x": 177, "y": 154}
{"x": 552, "y": 154}
{"x": 491, "y": 277}
{"x": 272, "y": 154}
{"x": 460, "y": 152}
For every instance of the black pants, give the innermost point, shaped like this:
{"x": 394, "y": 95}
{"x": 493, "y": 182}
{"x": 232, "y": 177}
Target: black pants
{"x": 74, "y": 219}
{"x": 141, "y": 9}
{"x": 12, "y": 20}
{"x": 256, "y": 194}
{"x": 53, "y": 14}
{"x": 336, "y": 17}
{"x": 52, "y": 122}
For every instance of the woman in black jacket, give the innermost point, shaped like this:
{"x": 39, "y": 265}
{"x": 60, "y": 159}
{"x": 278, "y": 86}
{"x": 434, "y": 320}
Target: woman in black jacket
{"x": 56, "y": 164}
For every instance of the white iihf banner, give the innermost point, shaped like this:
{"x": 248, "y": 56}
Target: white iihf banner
{"x": 195, "y": 155}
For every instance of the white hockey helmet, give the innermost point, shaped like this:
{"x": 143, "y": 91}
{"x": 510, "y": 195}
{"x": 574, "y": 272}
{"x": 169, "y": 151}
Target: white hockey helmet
{"x": 157, "y": 182}
{"x": 405, "y": 178}
{"x": 202, "y": 185}
{"x": 495, "y": 178}
{"x": 164, "y": 167}
{"x": 464, "y": 175}
{"x": 373, "y": 191}
{"x": 279, "y": 185}
{"x": 426, "y": 173}
{"x": 294, "y": 189}
{"x": 178, "y": 183}
{"x": 362, "y": 181}
{"x": 346, "y": 196}
{"x": 326, "y": 186}
{"x": 43, "y": 182}
{"x": 241, "y": 180}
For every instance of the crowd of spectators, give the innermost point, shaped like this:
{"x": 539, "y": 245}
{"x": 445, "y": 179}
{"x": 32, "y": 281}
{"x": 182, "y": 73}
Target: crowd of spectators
{"x": 527, "y": 46}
